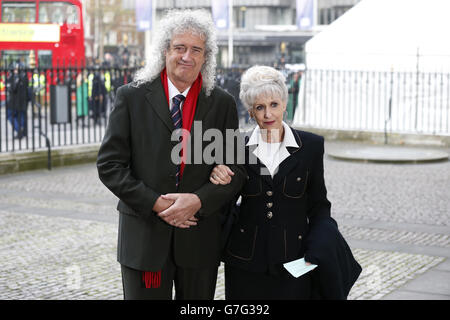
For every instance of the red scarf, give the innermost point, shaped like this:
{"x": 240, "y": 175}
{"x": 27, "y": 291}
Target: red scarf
{"x": 188, "y": 109}
{"x": 153, "y": 279}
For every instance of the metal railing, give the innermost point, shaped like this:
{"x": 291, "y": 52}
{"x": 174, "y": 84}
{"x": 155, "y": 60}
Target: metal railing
{"x": 400, "y": 102}
{"x": 26, "y": 124}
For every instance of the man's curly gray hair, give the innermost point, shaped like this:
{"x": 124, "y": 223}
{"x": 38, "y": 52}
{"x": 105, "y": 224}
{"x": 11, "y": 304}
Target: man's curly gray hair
{"x": 198, "y": 22}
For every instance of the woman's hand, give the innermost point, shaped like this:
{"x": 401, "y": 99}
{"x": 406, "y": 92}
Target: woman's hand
{"x": 221, "y": 174}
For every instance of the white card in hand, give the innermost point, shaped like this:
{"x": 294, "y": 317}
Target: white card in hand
{"x": 298, "y": 267}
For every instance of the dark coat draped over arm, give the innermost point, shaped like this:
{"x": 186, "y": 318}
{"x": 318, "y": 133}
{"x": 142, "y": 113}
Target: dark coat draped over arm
{"x": 337, "y": 269}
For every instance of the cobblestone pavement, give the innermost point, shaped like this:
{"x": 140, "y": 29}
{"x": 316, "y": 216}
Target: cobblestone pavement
{"x": 58, "y": 230}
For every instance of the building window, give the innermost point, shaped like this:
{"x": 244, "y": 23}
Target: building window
{"x": 277, "y": 16}
{"x": 128, "y": 4}
{"x": 328, "y": 15}
{"x": 239, "y": 17}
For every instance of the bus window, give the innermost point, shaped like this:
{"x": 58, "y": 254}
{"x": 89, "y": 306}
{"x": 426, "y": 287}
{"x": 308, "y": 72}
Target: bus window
{"x": 57, "y": 16}
{"x": 18, "y": 12}
{"x": 45, "y": 58}
{"x": 58, "y": 12}
{"x": 11, "y": 56}
{"x": 71, "y": 14}
{"x": 43, "y": 15}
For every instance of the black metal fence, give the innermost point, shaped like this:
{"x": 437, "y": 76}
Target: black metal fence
{"x": 43, "y": 108}
{"x": 46, "y": 108}
{"x": 400, "y": 102}
{"x": 56, "y": 107}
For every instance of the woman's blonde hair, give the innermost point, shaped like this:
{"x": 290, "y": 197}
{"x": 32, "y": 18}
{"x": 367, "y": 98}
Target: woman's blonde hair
{"x": 260, "y": 80}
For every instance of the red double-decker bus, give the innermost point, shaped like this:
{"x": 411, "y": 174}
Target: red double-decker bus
{"x": 46, "y": 33}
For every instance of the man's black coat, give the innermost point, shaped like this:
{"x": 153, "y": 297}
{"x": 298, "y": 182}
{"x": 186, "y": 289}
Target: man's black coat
{"x": 134, "y": 162}
{"x": 18, "y": 91}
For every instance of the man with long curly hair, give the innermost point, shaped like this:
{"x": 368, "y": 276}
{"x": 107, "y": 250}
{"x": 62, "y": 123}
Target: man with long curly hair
{"x": 170, "y": 213}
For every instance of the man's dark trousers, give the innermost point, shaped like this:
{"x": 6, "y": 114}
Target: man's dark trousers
{"x": 190, "y": 283}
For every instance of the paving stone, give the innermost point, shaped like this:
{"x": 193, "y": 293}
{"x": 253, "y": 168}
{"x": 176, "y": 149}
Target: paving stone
{"x": 384, "y": 271}
{"x": 58, "y": 230}
{"x": 48, "y": 254}
{"x": 397, "y": 236}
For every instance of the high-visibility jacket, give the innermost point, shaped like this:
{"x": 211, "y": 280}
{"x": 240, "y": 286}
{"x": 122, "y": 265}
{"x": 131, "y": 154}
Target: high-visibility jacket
{"x": 107, "y": 81}
{"x": 38, "y": 81}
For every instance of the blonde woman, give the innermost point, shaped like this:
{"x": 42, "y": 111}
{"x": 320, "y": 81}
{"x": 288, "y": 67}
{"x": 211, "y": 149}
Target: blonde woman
{"x": 284, "y": 213}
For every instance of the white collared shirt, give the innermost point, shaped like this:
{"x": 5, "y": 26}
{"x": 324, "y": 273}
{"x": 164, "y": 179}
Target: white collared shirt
{"x": 272, "y": 154}
{"x": 173, "y": 91}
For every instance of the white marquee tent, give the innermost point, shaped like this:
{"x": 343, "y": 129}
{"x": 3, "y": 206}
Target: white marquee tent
{"x": 384, "y": 62}
{"x": 380, "y": 34}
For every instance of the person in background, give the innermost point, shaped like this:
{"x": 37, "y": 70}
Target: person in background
{"x": 17, "y": 100}
{"x": 82, "y": 97}
{"x": 294, "y": 90}
{"x": 98, "y": 97}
